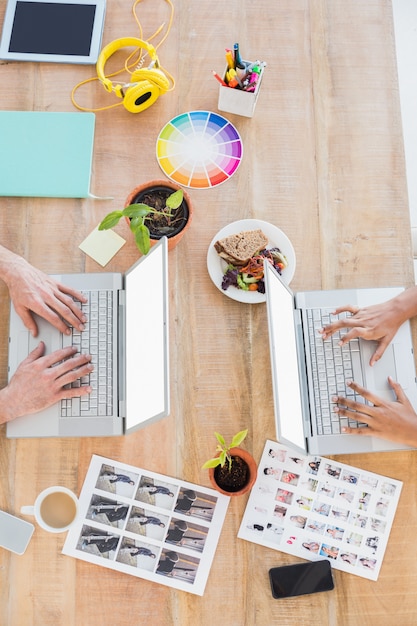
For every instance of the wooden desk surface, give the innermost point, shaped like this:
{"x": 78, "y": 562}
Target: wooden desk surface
{"x": 323, "y": 160}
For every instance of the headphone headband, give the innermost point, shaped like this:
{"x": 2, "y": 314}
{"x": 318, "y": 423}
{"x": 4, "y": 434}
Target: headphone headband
{"x": 115, "y": 45}
{"x": 146, "y": 84}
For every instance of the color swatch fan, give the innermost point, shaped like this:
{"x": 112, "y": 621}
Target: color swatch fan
{"x": 199, "y": 149}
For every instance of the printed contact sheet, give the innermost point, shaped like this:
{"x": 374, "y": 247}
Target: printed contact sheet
{"x": 147, "y": 525}
{"x": 317, "y": 508}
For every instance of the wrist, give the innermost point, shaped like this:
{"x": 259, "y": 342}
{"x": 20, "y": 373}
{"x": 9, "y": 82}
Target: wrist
{"x": 10, "y": 265}
{"x": 411, "y": 436}
{"x": 6, "y": 408}
{"x": 405, "y": 304}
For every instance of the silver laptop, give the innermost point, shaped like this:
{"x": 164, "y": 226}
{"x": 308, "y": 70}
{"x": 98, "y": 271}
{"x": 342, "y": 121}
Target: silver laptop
{"x": 304, "y": 378}
{"x": 127, "y": 336}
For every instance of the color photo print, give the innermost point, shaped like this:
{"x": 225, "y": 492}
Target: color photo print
{"x": 147, "y": 525}
{"x": 317, "y": 508}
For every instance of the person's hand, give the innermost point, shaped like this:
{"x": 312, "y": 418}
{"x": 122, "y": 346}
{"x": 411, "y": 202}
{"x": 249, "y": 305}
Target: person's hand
{"x": 33, "y": 291}
{"x": 395, "y": 420}
{"x": 378, "y": 322}
{"x": 40, "y": 381}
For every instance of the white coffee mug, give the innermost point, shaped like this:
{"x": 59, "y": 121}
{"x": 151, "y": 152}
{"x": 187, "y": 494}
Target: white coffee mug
{"x": 55, "y": 509}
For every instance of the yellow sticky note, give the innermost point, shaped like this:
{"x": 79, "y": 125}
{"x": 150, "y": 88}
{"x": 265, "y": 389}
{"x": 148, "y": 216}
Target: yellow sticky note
{"x": 102, "y": 245}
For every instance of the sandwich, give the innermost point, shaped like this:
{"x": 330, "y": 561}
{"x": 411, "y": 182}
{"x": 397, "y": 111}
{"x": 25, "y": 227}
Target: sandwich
{"x": 240, "y": 248}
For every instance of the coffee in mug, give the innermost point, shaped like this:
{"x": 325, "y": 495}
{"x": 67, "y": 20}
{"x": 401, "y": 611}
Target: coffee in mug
{"x": 55, "y": 509}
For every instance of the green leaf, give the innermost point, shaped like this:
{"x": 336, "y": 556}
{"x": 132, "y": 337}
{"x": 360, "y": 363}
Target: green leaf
{"x": 134, "y": 224}
{"x": 142, "y": 238}
{"x": 110, "y": 220}
{"x": 136, "y": 210}
{"x": 223, "y": 457}
{"x": 211, "y": 463}
{"x": 221, "y": 440}
{"x": 238, "y": 438}
{"x": 175, "y": 199}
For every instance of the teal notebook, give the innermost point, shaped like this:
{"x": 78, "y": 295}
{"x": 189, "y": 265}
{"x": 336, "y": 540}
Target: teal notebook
{"x": 45, "y": 154}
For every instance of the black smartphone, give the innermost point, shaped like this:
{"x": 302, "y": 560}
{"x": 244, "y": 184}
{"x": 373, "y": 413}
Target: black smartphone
{"x": 301, "y": 578}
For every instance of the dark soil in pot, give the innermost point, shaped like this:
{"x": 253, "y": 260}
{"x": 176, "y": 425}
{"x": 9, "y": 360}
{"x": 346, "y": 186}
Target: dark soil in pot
{"x": 162, "y": 225}
{"x": 234, "y": 479}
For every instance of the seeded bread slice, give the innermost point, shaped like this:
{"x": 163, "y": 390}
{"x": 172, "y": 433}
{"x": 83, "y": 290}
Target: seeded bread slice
{"x": 238, "y": 249}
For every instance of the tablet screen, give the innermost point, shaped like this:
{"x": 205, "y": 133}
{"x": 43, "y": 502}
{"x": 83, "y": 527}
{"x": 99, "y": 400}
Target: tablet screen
{"x": 48, "y": 28}
{"x": 66, "y": 31}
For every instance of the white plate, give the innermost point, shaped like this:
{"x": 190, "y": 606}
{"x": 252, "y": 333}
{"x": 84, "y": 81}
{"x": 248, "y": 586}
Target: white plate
{"x": 216, "y": 265}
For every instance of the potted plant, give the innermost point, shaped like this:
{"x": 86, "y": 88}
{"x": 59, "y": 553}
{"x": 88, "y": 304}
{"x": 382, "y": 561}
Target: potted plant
{"x": 154, "y": 210}
{"x": 233, "y": 470}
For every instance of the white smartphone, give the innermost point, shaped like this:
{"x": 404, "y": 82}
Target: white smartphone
{"x": 15, "y": 533}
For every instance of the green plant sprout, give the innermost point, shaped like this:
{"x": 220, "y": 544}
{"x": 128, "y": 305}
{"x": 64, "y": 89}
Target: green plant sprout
{"x": 138, "y": 213}
{"x": 225, "y": 450}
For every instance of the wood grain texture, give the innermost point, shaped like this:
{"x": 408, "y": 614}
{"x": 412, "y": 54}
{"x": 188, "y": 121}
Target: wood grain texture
{"x": 323, "y": 160}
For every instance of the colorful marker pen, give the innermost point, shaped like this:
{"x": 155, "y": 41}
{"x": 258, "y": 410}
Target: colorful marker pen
{"x": 253, "y": 79}
{"x": 230, "y": 60}
{"x": 238, "y": 61}
{"x": 232, "y": 78}
{"x": 240, "y": 67}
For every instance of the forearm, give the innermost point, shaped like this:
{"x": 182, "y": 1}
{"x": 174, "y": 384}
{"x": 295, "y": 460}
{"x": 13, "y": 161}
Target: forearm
{"x": 404, "y": 305}
{"x": 10, "y": 265}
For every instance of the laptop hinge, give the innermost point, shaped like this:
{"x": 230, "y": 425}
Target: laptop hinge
{"x": 121, "y": 365}
{"x": 122, "y": 297}
{"x": 303, "y": 375}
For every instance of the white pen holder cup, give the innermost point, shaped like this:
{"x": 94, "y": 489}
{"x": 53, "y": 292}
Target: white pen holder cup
{"x": 55, "y": 509}
{"x": 238, "y": 101}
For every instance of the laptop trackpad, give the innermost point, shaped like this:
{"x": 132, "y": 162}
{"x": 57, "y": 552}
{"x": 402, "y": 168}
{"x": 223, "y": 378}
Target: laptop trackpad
{"x": 377, "y": 375}
{"x": 26, "y": 343}
{"x": 49, "y": 339}
{"x": 46, "y": 333}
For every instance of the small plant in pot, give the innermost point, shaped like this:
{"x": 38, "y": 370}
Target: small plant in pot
{"x": 154, "y": 210}
{"x": 233, "y": 470}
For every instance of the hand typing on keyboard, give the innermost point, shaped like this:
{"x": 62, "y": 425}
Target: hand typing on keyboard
{"x": 33, "y": 291}
{"x": 41, "y": 380}
{"x": 379, "y": 322}
{"x": 96, "y": 340}
{"x": 331, "y": 365}
{"x": 395, "y": 420}
{"x": 36, "y": 384}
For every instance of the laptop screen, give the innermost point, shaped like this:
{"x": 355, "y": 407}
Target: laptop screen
{"x": 147, "y": 388}
{"x": 284, "y": 361}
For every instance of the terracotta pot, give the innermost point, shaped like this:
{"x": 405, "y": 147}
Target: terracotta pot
{"x": 174, "y": 239}
{"x": 253, "y": 471}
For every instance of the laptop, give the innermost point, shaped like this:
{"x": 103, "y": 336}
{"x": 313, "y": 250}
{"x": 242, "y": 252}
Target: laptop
{"x": 304, "y": 413}
{"x": 127, "y": 336}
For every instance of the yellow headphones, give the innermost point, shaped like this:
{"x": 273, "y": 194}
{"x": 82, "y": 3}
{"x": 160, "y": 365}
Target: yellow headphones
{"x": 146, "y": 84}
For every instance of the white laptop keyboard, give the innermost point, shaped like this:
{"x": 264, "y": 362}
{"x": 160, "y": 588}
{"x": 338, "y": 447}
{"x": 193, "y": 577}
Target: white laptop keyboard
{"x": 97, "y": 340}
{"x": 332, "y": 366}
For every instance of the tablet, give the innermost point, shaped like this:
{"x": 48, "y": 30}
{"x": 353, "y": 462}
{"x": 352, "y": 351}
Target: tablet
{"x": 56, "y": 31}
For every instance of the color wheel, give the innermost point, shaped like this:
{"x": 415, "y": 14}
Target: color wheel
{"x": 199, "y": 149}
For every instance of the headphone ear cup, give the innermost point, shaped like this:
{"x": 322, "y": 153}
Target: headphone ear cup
{"x": 139, "y": 97}
{"x": 154, "y": 76}
{"x": 150, "y": 85}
